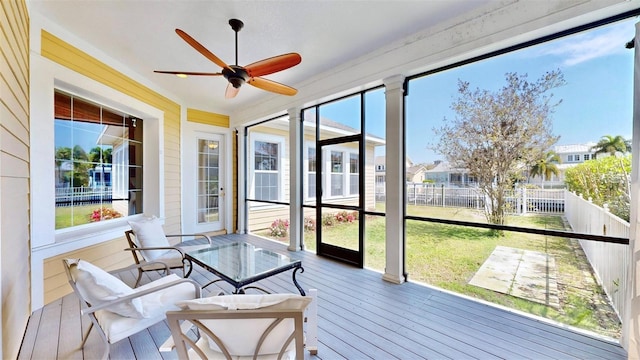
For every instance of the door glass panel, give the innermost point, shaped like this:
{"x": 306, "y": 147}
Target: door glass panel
{"x": 208, "y": 181}
{"x": 340, "y": 228}
{"x": 341, "y": 175}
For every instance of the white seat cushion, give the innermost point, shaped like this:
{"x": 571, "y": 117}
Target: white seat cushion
{"x": 149, "y": 233}
{"x": 98, "y": 286}
{"x": 154, "y": 307}
{"x": 216, "y": 355}
{"x": 241, "y": 336}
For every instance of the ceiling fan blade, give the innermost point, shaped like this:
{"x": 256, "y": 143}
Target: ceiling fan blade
{"x": 201, "y": 49}
{"x": 231, "y": 91}
{"x": 273, "y": 64}
{"x": 272, "y": 86}
{"x": 187, "y": 73}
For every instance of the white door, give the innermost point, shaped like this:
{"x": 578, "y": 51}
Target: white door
{"x": 204, "y": 183}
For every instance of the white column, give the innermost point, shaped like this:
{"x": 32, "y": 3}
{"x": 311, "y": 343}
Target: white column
{"x": 295, "y": 180}
{"x": 242, "y": 211}
{"x": 395, "y": 182}
{"x": 631, "y": 315}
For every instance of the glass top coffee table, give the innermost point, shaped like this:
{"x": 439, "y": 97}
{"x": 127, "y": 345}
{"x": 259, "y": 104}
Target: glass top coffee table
{"x": 241, "y": 263}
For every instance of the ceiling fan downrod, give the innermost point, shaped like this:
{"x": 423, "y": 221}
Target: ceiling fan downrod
{"x": 236, "y": 25}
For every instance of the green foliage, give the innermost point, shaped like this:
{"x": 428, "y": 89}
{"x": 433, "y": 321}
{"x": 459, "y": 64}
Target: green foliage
{"x": 610, "y": 144}
{"x": 546, "y": 166}
{"x": 328, "y": 220}
{"x": 605, "y": 181}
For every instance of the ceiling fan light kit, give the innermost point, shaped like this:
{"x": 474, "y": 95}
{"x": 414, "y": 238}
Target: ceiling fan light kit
{"x": 237, "y": 75}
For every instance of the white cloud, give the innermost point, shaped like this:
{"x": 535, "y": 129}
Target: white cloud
{"x": 591, "y": 45}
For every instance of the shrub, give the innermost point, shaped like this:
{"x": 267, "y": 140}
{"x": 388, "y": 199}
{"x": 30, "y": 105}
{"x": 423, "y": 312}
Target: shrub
{"x": 309, "y": 224}
{"x": 279, "y": 228}
{"x": 344, "y": 216}
{"x": 103, "y": 213}
{"x": 328, "y": 219}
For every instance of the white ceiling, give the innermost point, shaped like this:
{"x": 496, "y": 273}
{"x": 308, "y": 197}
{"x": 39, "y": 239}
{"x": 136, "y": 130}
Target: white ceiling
{"x": 141, "y": 35}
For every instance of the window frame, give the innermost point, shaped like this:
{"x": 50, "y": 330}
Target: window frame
{"x": 345, "y": 174}
{"x": 46, "y": 238}
{"x": 120, "y": 150}
{"x": 269, "y": 138}
{"x": 307, "y": 194}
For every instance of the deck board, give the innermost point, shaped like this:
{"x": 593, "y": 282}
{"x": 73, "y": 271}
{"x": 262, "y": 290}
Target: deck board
{"x": 360, "y": 317}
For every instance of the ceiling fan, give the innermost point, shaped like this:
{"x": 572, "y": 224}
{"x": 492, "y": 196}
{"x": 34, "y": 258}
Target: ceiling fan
{"x": 238, "y": 75}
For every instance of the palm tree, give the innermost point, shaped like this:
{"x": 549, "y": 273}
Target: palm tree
{"x": 546, "y": 166}
{"x": 609, "y": 144}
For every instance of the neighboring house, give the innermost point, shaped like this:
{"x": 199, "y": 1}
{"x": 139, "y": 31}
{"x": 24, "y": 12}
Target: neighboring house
{"x": 570, "y": 156}
{"x": 414, "y": 172}
{"x": 444, "y": 174}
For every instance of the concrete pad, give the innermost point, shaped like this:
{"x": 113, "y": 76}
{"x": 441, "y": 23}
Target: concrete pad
{"x": 526, "y": 274}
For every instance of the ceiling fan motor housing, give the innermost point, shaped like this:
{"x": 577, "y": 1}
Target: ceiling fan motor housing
{"x": 237, "y": 77}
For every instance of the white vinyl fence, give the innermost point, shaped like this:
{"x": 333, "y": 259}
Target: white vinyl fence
{"x": 68, "y": 196}
{"x": 519, "y": 201}
{"x": 610, "y": 262}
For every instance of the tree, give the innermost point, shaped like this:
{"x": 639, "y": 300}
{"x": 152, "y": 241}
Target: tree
{"x": 63, "y": 154}
{"x": 609, "y": 144}
{"x": 546, "y": 166}
{"x": 100, "y": 155}
{"x": 495, "y": 133}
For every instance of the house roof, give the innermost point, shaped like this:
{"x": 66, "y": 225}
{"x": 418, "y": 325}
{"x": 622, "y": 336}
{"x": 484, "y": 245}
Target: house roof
{"x": 573, "y": 148}
{"x": 445, "y": 167}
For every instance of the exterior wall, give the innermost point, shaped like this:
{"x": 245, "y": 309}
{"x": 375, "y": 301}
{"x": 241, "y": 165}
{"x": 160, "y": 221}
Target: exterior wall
{"x": 216, "y": 124}
{"x": 14, "y": 175}
{"x": 103, "y": 248}
{"x": 107, "y": 255}
{"x": 261, "y": 217}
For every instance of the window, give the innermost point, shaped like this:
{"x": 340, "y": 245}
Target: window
{"x": 266, "y": 165}
{"x": 570, "y": 158}
{"x": 337, "y": 176}
{"x": 354, "y": 184}
{"x": 311, "y": 172}
{"x": 98, "y": 162}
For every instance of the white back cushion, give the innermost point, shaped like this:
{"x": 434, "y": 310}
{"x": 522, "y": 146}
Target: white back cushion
{"x": 149, "y": 233}
{"x": 97, "y": 286}
{"x": 240, "y": 337}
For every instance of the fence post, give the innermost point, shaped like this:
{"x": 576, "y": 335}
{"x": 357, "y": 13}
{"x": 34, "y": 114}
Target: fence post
{"x": 524, "y": 200}
{"x": 442, "y": 195}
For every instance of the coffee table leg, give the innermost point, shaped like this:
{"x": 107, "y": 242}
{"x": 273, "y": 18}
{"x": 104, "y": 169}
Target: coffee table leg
{"x": 295, "y": 282}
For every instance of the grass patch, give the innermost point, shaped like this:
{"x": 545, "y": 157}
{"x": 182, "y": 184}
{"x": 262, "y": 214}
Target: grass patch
{"x": 448, "y": 256}
{"x": 68, "y": 216}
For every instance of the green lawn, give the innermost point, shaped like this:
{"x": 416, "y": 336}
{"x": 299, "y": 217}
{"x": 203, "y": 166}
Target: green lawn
{"x": 67, "y": 216}
{"x": 448, "y": 256}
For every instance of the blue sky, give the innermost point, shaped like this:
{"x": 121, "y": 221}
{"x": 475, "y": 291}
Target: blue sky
{"x": 596, "y": 100}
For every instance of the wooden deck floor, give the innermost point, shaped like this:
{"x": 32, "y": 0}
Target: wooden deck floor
{"x": 360, "y": 317}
